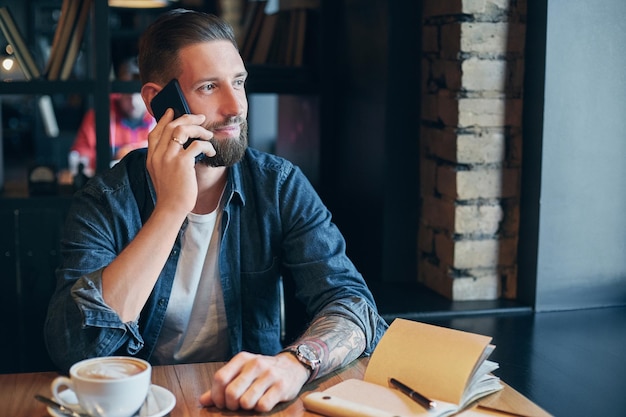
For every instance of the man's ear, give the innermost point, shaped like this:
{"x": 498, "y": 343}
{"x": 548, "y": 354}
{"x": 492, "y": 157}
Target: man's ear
{"x": 148, "y": 91}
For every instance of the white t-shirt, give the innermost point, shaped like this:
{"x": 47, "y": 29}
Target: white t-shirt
{"x": 195, "y": 327}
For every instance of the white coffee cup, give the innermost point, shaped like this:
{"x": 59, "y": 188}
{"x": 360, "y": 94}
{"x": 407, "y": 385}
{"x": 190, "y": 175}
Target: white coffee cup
{"x": 112, "y": 386}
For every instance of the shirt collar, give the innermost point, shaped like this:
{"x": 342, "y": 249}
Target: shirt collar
{"x": 234, "y": 186}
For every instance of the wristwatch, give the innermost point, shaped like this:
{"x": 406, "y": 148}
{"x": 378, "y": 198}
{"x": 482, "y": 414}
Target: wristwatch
{"x": 307, "y": 357}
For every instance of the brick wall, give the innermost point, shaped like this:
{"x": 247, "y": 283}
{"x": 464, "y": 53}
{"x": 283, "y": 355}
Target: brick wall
{"x": 473, "y": 64}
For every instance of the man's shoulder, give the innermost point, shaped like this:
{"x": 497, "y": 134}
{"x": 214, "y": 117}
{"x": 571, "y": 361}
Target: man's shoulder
{"x": 255, "y": 159}
{"x": 261, "y": 157}
{"x": 131, "y": 168}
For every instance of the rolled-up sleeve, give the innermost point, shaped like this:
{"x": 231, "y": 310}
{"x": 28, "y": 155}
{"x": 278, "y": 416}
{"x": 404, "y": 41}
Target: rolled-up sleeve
{"x": 363, "y": 314}
{"x": 81, "y": 325}
{"x": 87, "y": 294}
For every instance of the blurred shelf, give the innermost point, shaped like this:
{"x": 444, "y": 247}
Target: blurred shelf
{"x": 37, "y": 87}
{"x": 262, "y": 79}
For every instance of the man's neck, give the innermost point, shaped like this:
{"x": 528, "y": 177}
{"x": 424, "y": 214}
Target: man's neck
{"x": 211, "y": 183}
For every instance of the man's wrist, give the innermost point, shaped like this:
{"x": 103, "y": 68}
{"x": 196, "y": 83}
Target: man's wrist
{"x": 308, "y": 357}
{"x": 291, "y": 358}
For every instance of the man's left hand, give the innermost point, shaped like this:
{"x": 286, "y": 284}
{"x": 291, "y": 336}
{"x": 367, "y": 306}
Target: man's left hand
{"x": 256, "y": 382}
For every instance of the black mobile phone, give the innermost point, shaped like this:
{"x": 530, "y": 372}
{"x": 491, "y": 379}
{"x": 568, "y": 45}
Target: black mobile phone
{"x": 171, "y": 96}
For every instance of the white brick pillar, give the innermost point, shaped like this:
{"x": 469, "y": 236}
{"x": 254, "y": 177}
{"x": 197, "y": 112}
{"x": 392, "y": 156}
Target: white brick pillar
{"x": 473, "y": 63}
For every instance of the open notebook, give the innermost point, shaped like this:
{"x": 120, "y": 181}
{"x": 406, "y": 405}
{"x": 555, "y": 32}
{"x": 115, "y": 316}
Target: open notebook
{"x": 445, "y": 365}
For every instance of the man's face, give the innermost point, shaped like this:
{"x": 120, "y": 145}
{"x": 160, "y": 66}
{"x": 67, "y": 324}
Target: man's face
{"x": 212, "y": 78}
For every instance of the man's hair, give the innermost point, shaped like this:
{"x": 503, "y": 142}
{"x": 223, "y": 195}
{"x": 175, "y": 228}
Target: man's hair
{"x": 175, "y": 29}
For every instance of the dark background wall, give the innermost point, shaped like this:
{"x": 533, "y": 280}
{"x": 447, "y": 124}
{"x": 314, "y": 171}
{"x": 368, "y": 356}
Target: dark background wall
{"x": 369, "y": 132}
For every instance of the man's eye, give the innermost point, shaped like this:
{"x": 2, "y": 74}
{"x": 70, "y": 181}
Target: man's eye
{"x": 208, "y": 87}
{"x": 240, "y": 82}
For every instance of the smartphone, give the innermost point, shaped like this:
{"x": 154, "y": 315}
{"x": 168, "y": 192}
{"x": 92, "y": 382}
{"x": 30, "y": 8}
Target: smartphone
{"x": 171, "y": 96}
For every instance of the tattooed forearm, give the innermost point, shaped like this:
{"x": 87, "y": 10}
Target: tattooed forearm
{"x": 339, "y": 341}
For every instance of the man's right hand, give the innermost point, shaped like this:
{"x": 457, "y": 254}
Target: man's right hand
{"x": 172, "y": 167}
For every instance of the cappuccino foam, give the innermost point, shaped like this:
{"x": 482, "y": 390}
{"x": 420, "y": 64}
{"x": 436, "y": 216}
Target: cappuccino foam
{"x": 110, "y": 369}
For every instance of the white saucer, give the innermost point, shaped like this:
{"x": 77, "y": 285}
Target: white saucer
{"x": 159, "y": 402}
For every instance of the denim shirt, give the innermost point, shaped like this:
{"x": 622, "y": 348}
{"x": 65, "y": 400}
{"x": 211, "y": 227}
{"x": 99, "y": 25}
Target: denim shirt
{"x": 274, "y": 225}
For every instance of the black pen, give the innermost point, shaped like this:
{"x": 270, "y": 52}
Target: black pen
{"x": 414, "y": 395}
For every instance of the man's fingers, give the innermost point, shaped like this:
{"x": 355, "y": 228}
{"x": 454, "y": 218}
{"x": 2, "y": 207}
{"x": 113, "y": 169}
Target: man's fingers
{"x": 251, "y": 381}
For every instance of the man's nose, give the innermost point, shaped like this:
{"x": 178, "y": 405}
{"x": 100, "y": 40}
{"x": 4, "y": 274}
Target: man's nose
{"x": 232, "y": 102}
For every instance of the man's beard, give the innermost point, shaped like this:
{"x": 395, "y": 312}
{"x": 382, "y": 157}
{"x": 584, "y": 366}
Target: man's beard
{"x": 227, "y": 151}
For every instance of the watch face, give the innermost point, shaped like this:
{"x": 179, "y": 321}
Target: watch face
{"x": 306, "y": 352}
{"x": 309, "y": 355}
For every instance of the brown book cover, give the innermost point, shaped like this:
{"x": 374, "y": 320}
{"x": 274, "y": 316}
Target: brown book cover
{"x": 247, "y": 49}
{"x": 266, "y": 37}
{"x": 289, "y": 29}
{"x": 300, "y": 17}
{"x": 66, "y": 27}
{"x": 57, "y": 33}
{"x": 248, "y": 15}
{"x": 279, "y": 48}
{"x": 76, "y": 39}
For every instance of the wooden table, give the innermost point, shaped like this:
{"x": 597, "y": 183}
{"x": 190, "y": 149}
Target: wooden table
{"x": 187, "y": 382}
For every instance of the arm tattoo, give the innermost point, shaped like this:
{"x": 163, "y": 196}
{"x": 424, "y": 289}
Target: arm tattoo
{"x": 338, "y": 340}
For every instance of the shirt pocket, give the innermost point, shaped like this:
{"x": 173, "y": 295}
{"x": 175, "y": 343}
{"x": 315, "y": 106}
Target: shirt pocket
{"x": 262, "y": 298}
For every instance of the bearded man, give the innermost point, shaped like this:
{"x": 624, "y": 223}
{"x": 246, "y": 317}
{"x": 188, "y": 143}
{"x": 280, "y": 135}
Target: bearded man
{"x": 178, "y": 261}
